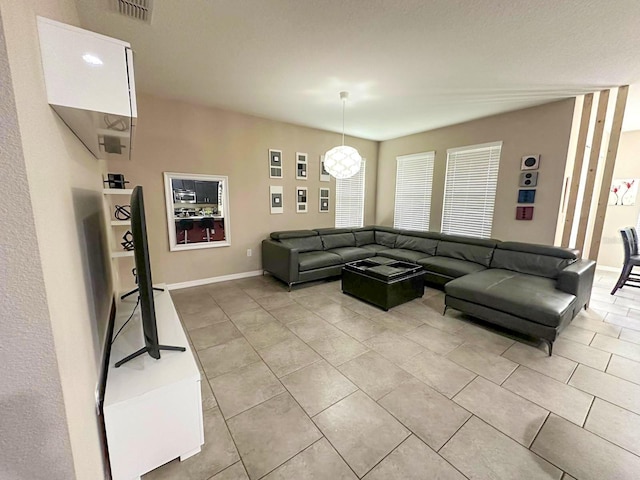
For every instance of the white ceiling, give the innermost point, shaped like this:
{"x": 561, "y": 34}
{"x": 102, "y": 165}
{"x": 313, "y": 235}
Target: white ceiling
{"x": 410, "y": 65}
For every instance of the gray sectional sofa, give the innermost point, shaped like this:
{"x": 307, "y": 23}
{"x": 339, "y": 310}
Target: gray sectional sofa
{"x": 532, "y": 289}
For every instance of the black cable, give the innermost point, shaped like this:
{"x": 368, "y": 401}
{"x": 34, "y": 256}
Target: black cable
{"x": 125, "y": 323}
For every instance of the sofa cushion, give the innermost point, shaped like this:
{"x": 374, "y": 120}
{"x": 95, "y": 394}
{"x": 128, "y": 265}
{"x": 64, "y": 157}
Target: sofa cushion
{"x": 541, "y": 260}
{"x": 338, "y": 240}
{"x": 303, "y": 244}
{"x": 331, "y": 231}
{"x": 374, "y": 247}
{"x": 388, "y": 239}
{"x": 364, "y": 236}
{"x": 351, "y": 254}
{"x": 317, "y": 259}
{"x": 450, "y": 267}
{"x": 527, "y": 296}
{"x": 402, "y": 254}
{"x": 418, "y": 244}
{"x": 478, "y": 250}
{"x": 293, "y": 234}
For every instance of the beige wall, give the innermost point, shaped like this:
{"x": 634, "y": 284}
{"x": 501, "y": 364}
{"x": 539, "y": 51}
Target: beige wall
{"x": 179, "y": 137}
{"x": 627, "y": 166}
{"x": 544, "y": 129}
{"x": 64, "y": 185}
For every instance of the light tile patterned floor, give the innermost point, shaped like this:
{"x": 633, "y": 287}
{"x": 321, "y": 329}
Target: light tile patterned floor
{"x": 315, "y": 384}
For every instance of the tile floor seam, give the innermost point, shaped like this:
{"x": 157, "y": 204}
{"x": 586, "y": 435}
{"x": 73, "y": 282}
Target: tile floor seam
{"x": 538, "y": 433}
{"x": 456, "y": 432}
{"x": 392, "y": 450}
{"x": 227, "y": 468}
{"x": 498, "y": 429}
{"x": 608, "y": 362}
{"x": 511, "y": 374}
{"x": 294, "y": 455}
{"x": 572, "y": 373}
{"x": 606, "y": 439}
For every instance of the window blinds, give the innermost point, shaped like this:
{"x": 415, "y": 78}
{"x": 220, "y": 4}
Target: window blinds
{"x": 470, "y": 189}
{"x": 350, "y": 200}
{"x": 414, "y": 180}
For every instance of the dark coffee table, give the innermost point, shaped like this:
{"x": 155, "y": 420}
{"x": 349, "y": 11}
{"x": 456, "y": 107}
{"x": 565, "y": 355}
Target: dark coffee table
{"x": 383, "y": 282}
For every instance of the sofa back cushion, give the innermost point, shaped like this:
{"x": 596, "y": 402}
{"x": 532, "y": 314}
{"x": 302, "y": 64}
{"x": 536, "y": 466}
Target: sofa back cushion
{"x": 477, "y": 250}
{"x": 417, "y": 244}
{"x": 386, "y": 236}
{"x": 364, "y": 236}
{"x": 540, "y": 260}
{"x": 338, "y": 240}
{"x": 303, "y": 243}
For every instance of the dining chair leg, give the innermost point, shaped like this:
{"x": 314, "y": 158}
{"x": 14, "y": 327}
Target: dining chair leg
{"x": 624, "y": 276}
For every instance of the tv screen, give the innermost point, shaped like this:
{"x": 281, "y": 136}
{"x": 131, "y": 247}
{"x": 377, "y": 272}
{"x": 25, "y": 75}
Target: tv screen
{"x": 143, "y": 272}
{"x": 145, "y": 284}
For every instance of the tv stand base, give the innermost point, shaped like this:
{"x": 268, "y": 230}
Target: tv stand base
{"x": 144, "y": 350}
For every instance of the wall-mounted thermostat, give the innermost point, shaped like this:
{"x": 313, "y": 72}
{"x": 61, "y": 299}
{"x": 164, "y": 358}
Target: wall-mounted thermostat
{"x": 530, "y": 162}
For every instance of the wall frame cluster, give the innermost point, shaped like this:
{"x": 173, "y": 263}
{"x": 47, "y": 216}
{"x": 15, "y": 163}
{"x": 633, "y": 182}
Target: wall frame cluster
{"x": 528, "y": 179}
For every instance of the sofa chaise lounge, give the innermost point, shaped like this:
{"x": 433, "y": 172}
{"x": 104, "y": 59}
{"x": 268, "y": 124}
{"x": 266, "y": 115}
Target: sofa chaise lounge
{"x": 535, "y": 290}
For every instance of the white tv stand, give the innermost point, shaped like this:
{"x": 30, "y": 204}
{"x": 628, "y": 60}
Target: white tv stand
{"x": 152, "y": 408}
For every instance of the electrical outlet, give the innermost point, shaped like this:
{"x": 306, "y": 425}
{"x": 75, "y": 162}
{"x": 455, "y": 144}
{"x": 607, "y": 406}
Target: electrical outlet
{"x": 249, "y": 252}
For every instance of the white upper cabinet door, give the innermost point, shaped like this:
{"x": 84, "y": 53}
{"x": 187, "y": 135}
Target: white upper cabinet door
{"x": 86, "y": 70}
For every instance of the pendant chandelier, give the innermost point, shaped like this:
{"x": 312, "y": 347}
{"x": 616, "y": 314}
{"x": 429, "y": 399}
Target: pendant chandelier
{"x": 342, "y": 161}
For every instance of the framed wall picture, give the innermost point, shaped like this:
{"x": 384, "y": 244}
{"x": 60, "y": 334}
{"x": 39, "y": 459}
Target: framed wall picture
{"x": 526, "y": 196}
{"x": 324, "y": 175}
{"x": 301, "y": 200}
{"x": 276, "y": 199}
{"x": 524, "y": 213}
{"x": 275, "y": 163}
{"x": 301, "y": 166}
{"x": 324, "y": 200}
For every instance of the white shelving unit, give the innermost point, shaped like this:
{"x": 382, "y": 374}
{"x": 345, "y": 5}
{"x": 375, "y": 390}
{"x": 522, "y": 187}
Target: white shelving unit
{"x": 116, "y": 254}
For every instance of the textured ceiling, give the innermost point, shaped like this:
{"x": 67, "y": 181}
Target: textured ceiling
{"x": 410, "y": 65}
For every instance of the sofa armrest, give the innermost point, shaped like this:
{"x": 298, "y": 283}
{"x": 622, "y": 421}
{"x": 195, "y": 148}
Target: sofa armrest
{"x": 280, "y": 261}
{"x": 577, "y": 279}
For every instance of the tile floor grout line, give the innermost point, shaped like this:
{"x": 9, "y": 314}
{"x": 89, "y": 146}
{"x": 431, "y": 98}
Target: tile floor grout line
{"x": 606, "y": 439}
{"x": 528, "y": 447}
{"x": 518, "y": 365}
{"x": 228, "y": 467}
{"x": 291, "y": 458}
{"x": 455, "y": 433}
{"x": 392, "y": 450}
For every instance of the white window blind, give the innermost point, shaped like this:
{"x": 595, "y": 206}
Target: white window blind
{"x": 414, "y": 180}
{"x": 470, "y": 189}
{"x": 350, "y": 200}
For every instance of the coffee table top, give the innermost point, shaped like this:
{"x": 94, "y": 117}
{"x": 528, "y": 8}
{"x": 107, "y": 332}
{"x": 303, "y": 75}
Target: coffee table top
{"x": 383, "y": 268}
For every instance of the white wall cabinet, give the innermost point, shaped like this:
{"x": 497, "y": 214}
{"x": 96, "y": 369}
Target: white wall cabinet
{"x": 90, "y": 84}
{"x": 152, "y": 408}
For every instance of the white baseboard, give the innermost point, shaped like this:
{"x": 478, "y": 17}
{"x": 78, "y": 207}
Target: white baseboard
{"x": 206, "y": 281}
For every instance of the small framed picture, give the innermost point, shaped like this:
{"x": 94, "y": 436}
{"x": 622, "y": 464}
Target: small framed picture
{"x": 324, "y": 175}
{"x": 301, "y": 200}
{"x": 324, "y": 200}
{"x": 526, "y": 196}
{"x": 301, "y": 166}
{"x": 275, "y": 199}
{"x": 275, "y": 163}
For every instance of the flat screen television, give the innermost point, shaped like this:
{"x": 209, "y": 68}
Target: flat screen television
{"x": 145, "y": 284}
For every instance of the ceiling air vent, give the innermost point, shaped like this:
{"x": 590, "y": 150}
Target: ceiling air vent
{"x": 138, "y": 9}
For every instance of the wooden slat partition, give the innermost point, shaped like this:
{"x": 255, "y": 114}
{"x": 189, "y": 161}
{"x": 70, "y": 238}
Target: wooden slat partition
{"x": 577, "y": 169}
{"x": 603, "y": 102}
{"x": 610, "y": 162}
